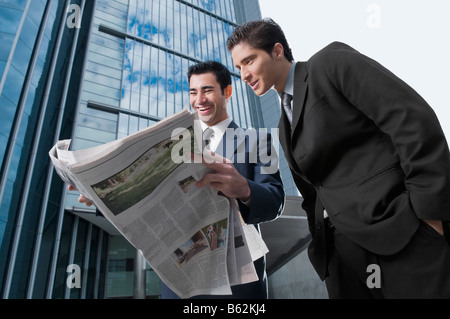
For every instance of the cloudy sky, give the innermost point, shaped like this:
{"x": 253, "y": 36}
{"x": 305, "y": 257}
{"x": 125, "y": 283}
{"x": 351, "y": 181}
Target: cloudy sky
{"x": 409, "y": 37}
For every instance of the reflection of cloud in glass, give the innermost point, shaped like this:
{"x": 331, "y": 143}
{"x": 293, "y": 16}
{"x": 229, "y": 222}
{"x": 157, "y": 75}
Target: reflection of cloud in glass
{"x": 208, "y": 5}
{"x": 142, "y": 76}
{"x": 154, "y": 81}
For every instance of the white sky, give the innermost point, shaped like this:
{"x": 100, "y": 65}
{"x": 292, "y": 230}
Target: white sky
{"x": 409, "y": 37}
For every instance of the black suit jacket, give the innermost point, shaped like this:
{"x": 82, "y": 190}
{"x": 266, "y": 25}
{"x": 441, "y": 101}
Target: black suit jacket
{"x": 368, "y": 146}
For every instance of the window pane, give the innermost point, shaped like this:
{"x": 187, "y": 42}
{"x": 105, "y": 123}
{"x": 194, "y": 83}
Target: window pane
{"x": 6, "y": 41}
{"x": 9, "y": 19}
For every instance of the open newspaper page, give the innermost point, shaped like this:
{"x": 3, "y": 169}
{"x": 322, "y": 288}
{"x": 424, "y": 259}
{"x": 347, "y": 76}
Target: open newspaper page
{"x": 241, "y": 269}
{"x": 145, "y": 185}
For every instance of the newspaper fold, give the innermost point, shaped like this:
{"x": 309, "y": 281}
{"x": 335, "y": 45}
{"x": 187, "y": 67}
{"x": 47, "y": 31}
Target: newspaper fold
{"x": 145, "y": 185}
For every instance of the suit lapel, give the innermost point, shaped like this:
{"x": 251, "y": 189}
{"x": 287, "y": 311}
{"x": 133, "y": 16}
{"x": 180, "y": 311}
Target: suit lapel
{"x": 286, "y": 133}
{"x": 300, "y": 91}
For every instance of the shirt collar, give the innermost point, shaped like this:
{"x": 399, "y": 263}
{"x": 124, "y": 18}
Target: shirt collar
{"x": 289, "y": 87}
{"x": 219, "y": 128}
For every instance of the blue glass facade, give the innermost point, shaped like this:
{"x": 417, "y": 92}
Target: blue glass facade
{"x": 123, "y": 70}
{"x": 38, "y": 239}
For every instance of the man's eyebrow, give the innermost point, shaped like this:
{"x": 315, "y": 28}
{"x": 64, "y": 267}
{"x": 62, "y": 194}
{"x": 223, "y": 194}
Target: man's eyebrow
{"x": 251, "y": 56}
{"x": 206, "y": 87}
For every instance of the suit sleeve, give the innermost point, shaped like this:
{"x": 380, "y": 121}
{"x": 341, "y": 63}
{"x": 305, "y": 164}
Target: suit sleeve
{"x": 406, "y": 117}
{"x": 267, "y": 193}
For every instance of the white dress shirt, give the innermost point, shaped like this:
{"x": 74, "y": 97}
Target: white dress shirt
{"x": 219, "y": 130}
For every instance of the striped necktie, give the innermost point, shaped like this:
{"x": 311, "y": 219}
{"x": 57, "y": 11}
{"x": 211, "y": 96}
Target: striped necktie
{"x": 286, "y": 100}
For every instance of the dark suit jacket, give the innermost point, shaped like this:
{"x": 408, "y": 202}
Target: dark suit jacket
{"x": 267, "y": 200}
{"x": 267, "y": 195}
{"x": 368, "y": 146}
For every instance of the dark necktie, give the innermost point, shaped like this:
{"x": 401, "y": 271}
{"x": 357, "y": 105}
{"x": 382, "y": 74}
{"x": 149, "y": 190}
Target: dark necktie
{"x": 286, "y": 100}
{"x": 208, "y": 133}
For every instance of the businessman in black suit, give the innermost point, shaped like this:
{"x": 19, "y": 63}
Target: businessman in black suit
{"x": 370, "y": 160}
{"x": 256, "y": 184}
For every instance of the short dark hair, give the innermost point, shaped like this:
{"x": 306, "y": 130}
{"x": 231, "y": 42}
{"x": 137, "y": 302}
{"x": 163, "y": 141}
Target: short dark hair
{"x": 223, "y": 75}
{"x": 260, "y": 34}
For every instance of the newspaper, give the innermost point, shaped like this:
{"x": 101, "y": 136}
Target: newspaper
{"x": 145, "y": 185}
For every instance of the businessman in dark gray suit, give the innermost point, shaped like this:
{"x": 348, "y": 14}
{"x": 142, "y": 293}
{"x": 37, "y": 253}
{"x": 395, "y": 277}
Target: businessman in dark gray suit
{"x": 256, "y": 184}
{"x": 370, "y": 160}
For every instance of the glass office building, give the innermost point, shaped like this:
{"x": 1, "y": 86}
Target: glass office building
{"x": 94, "y": 71}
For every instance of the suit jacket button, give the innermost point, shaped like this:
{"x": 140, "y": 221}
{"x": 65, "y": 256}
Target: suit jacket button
{"x": 319, "y": 186}
{"x": 318, "y": 226}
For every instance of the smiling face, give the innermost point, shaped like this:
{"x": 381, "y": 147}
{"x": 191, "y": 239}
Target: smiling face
{"x": 260, "y": 70}
{"x": 207, "y": 98}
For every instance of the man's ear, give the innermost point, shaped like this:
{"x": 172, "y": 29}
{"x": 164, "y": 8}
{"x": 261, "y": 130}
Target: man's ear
{"x": 278, "y": 51}
{"x": 228, "y": 91}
